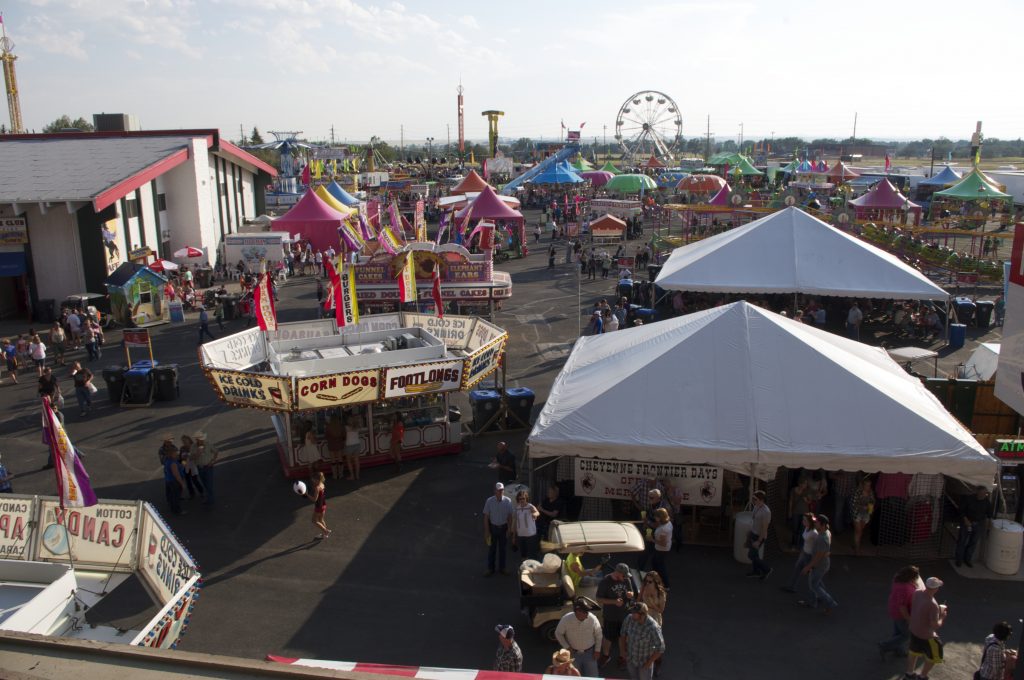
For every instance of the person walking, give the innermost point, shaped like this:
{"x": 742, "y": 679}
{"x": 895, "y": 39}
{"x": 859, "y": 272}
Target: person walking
{"x": 84, "y": 387}
{"x": 318, "y": 494}
{"x": 926, "y": 617}
{"x": 854, "y": 319}
{"x": 505, "y": 463}
{"x": 88, "y": 336}
{"x": 654, "y": 595}
{"x": 524, "y": 528}
{"x": 905, "y": 583}
{"x": 174, "y": 479}
{"x": 644, "y": 643}
{"x": 758, "y": 535}
{"x": 974, "y": 512}
{"x": 5, "y": 479}
{"x": 819, "y": 566}
{"x": 204, "y": 324}
{"x": 508, "y": 658}
{"x": 579, "y": 631}
{"x": 11, "y": 358}
{"x": 994, "y": 654}
{"x": 615, "y": 593}
{"x": 205, "y": 457}
{"x": 807, "y": 538}
{"x": 497, "y": 512}
{"x": 661, "y": 541}
{"x": 37, "y": 350}
{"x": 863, "y": 505}
{"x": 58, "y": 340}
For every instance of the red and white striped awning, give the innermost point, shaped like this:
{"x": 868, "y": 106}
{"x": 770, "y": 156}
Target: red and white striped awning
{"x": 410, "y": 671}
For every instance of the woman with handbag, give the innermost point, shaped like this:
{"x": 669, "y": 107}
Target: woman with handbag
{"x": 84, "y": 388}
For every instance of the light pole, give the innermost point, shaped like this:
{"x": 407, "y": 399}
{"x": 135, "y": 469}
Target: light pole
{"x": 430, "y": 152}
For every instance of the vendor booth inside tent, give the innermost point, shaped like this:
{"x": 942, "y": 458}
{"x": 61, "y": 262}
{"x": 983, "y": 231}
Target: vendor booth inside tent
{"x": 736, "y": 398}
{"x": 885, "y": 203}
{"x": 136, "y": 295}
{"x": 312, "y": 376}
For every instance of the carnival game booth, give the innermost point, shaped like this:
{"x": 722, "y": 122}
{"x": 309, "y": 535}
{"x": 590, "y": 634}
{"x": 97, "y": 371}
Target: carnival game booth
{"x": 469, "y": 282}
{"x": 110, "y": 572}
{"x": 607, "y": 229}
{"x": 737, "y": 397}
{"x": 307, "y": 372}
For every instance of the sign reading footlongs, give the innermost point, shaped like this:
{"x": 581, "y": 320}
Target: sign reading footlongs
{"x": 412, "y": 381}
{"x": 256, "y": 390}
{"x": 337, "y": 390}
{"x": 688, "y": 484}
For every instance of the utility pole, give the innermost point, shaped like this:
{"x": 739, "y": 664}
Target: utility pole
{"x": 605, "y": 139}
{"x": 332, "y": 134}
{"x": 741, "y": 138}
{"x": 448, "y": 146}
{"x": 241, "y": 134}
{"x": 401, "y": 140}
{"x": 707, "y": 143}
{"x": 854, "y": 138}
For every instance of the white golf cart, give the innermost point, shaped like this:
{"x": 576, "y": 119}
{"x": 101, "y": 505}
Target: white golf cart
{"x": 546, "y": 591}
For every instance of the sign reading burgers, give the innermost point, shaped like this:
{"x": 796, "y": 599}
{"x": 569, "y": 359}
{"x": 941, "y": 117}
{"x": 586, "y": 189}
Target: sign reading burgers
{"x": 412, "y": 381}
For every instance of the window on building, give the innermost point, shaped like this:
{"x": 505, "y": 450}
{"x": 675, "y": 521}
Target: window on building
{"x": 145, "y": 294}
{"x": 161, "y": 202}
{"x": 223, "y": 188}
{"x": 131, "y": 208}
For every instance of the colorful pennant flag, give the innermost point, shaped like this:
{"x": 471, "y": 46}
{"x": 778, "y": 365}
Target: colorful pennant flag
{"x": 442, "y": 227}
{"x": 263, "y": 298}
{"x": 407, "y": 280}
{"x": 365, "y": 229}
{"x": 305, "y": 175}
{"x": 347, "y": 311}
{"x": 73, "y": 487}
{"x": 420, "y": 222}
{"x": 436, "y": 292}
{"x": 349, "y": 236}
{"x": 388, "y": 241}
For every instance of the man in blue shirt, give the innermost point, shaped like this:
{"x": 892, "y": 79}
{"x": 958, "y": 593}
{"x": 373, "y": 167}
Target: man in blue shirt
{"x": 497, "y": 511}
{"x": 5, "y": 480}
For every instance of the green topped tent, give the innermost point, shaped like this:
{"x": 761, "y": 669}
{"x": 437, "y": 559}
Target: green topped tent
{"x": 582, "y": 165}
{"x": 734, "y": 161}
{"x": 608, "y": 167}
{"x": 975, "y": 186}
{"x": 791, "y": 167}
{"x": 745, "y": 168}
{"x": 630, "y": 184}
{"x": 725, "y": 158}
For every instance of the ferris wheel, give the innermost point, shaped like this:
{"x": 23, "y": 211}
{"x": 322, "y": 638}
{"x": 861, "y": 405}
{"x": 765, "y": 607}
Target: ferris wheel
{"x": 649, "y": 124}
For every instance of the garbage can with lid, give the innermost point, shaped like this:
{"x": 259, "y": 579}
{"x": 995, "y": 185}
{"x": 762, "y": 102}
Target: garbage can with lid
{"x": 983, "y": 315}
{"x": 957, "y": 335}
{"x": 114, "y": 377}
{"x": 138, "y": 382}
{"x": 484, "y": 403}
{"x": 166, "y": 376}
{"x": 229, "y": 302}
{"x": 965, "y": 309}
{"x": 520, "y": 403}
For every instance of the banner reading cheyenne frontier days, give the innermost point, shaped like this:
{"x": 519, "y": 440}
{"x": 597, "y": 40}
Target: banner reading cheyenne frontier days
{"x": 689, "y": 484}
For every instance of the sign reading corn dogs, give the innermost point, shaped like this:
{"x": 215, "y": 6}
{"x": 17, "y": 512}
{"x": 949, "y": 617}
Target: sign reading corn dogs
{"x": 323, "y": 391}
{"x": 411, "y": 381}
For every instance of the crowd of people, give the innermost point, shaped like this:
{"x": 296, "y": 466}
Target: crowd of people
{"x": 188, "y": 468}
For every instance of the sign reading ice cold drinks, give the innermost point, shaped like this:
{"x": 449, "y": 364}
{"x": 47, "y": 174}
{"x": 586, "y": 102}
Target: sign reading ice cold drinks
{"x": 249, "y": 389}
{"x": 690, "y": 484}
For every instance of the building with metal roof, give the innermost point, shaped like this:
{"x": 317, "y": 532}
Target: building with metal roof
{"x": 76, "y": 205}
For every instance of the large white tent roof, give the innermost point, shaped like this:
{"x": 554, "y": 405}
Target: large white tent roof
{"x": 792, "y": 252}
{"x": 739, "y": 387}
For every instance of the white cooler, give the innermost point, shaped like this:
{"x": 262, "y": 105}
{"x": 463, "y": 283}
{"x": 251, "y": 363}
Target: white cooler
{"x": 743, "y": 523}
{"x": 1003, "y": 546}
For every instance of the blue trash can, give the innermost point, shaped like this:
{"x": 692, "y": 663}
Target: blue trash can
{"x": 957, "y": 335}
{"x": 520, "y": 402}
{"x": 484, "y": 403}
{"x": 646, "y": 314}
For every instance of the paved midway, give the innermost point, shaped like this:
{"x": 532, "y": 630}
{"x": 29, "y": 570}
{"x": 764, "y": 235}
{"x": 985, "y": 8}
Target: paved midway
{"x": 400, "y": 580}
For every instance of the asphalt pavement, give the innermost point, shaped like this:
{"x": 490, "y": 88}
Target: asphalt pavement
{"x": 400, "y": 580}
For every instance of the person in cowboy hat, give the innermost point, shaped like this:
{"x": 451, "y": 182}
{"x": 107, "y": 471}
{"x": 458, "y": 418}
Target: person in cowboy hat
{"x": 205, "y": 456}
{"x": 561, "y": 664}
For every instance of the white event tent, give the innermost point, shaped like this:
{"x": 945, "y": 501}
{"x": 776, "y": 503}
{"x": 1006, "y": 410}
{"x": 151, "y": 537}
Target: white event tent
{"x": 792, "y": 252}
{"x": 750, "y": 390}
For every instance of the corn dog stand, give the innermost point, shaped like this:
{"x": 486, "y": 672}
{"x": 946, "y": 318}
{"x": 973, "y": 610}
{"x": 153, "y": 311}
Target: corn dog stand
{"x": 307, "y": 371}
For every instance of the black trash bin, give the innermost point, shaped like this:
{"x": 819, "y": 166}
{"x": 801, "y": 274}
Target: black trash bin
{"x": 204, "y": 278}
{"x": 138, "y": 382}
{"x": 44, "y": 311}
{"x": 520, "y": 402}
{"x": 229, "y": 302}
{"x": 114, "y": 377}
{"x": 485, "y": 403}
{"x": 983, "y": 315}
{"x": 166, "y": 376}
{"x": 965, "y": 310}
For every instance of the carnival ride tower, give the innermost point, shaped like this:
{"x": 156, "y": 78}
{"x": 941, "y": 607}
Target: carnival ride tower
{"x": 8, "y": 58}
{"x": 462, "y": 129}
{"x": 492, "y": 129}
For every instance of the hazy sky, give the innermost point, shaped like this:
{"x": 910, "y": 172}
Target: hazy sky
{"x": 792, "y": 67}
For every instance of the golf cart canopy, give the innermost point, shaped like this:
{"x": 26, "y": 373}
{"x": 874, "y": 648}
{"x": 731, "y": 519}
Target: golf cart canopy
{"x": 595, "y": 537}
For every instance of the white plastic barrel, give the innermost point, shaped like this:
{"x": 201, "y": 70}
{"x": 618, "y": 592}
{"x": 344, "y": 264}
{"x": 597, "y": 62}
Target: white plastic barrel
{"x": 744, "y": 522}
{"x": 1003, "y": 546}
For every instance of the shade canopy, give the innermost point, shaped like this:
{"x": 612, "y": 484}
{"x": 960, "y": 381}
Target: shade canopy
{"x": 597, "y": 177}
{"x": 330, "y": 200}
{"x": 947, "y": 177}
{"x": 188, "y": 252}
{"x": 884, "y": 196}
{"x": 750, "y": 390}
{"x": 792, "y": 252}
{"x": 840, "y": 172}
{"x": 669, "y": 179}
{"x": 653, "y": 162}
{"x": 489, "y": 206}
{"x": 630, "y": 184}
{"x": 806, "y": 166}
{"x": 471, "y": 182}
{"x": 340, "y": 194}
{"x": 609, "y": 167}
{"x": 581, "y": 164}
{"x": 559, "y": 173}
{"x": 722, "y": 197}
{"x": 975, "y": 186}
{"x": 701, "y": 184}
{"x": 314, "y": 220}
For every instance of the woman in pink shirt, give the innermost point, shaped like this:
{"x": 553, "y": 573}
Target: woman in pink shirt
{"x": 905, "y": 583}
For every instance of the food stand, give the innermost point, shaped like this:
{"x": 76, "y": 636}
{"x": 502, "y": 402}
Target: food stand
{"x": 305, "y": 372}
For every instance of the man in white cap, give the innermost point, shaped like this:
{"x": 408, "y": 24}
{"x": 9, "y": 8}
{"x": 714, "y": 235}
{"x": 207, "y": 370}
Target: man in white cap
{"x": 926, "y": 617}
{"x": 497, "y": 510}
{"x": 508, "y": 658}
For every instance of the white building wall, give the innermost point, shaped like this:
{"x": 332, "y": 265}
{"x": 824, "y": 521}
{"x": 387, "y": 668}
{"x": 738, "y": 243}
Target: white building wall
{"x": 56, "y": 252}
{"x": 188, "y": 217}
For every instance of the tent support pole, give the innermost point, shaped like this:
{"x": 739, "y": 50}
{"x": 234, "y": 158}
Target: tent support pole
{"x": 949, "y": 310}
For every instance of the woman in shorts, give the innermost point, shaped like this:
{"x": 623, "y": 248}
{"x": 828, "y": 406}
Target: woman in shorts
{"x": 57, "y": 341}
{"x": 11, "y": 358}
{"x": 37, "y": 350}
{"x": 318, "y": 494}
{"x": 352, "y": 446}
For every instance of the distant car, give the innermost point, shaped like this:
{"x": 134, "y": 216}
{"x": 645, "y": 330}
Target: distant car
{"x": 545, "y": 597}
